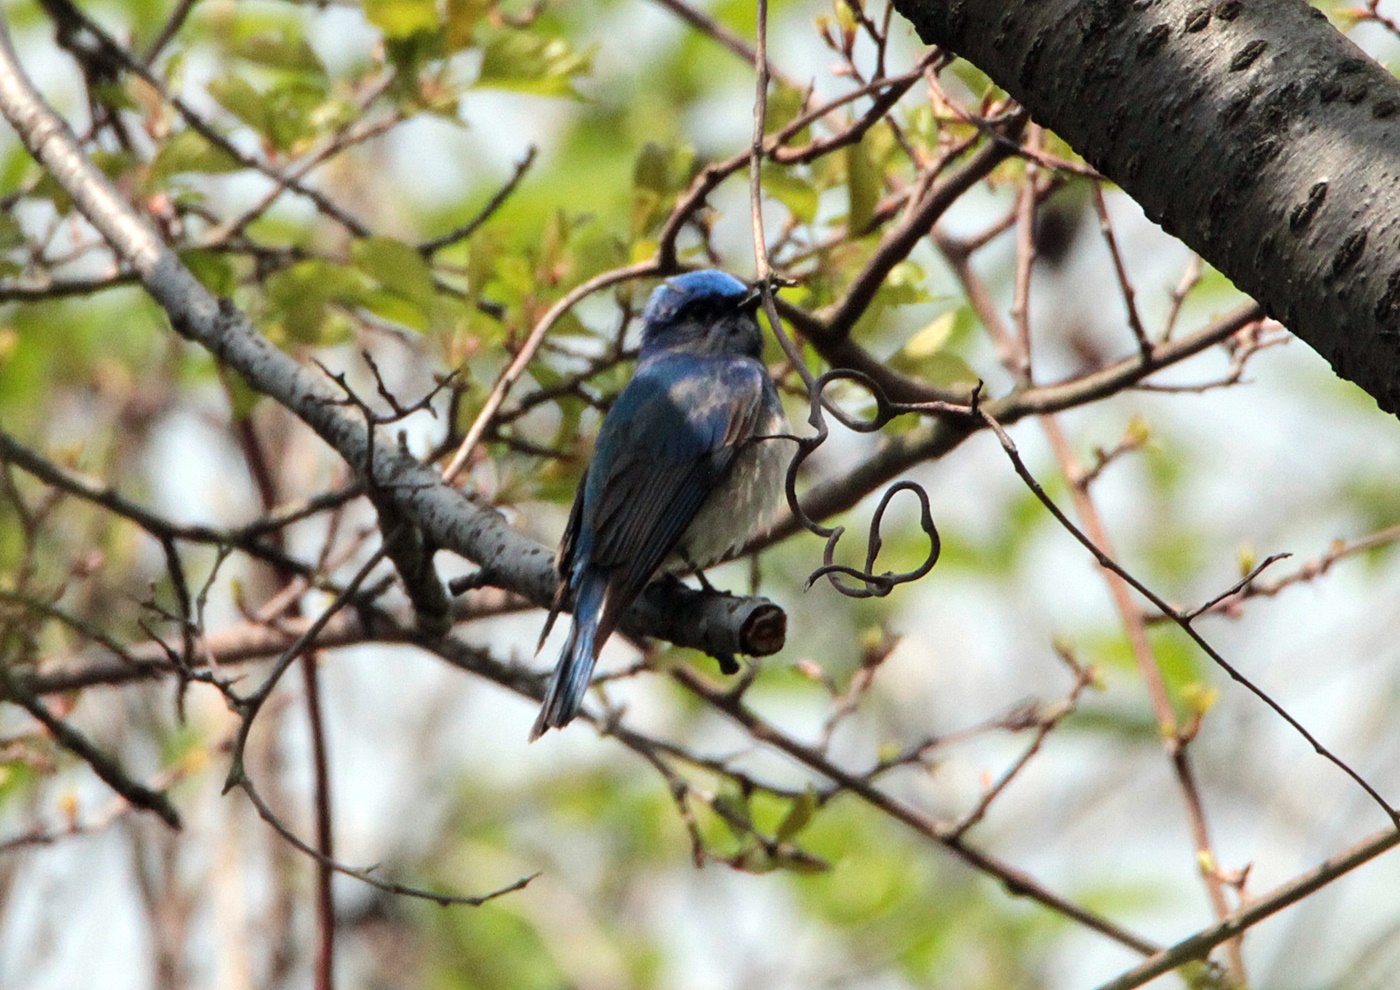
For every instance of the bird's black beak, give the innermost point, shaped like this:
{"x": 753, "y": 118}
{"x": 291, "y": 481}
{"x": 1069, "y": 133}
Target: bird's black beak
{"x": 754, "y": 297}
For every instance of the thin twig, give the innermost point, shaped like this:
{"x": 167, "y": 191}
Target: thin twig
{"x": 1107, "y": 562}
{"x": 526, "y": 354}
{"x": 1241, "y": 585}
{"x": 1017, "y": 882}
{"x": 168, "y": 30}
{"x": 430, "y": 247}
{"x": 724, "y": 37}
{"x": 248, "y": 706}
{"x": 1083, "y": 677}
{"x": 1199, "y": 945}
{"x": 111, "y": 772}
{"x": 762, "y": 270}
{"x": 1175, "y": 740}
{"x": 364, "y": 874}
{"x": 320, "y": 763}
{"x": 1025, "y": 259}
{"x": 1125, "y": 287}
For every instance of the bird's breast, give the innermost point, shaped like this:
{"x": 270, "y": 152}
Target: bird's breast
{"x": 743, "y": 504}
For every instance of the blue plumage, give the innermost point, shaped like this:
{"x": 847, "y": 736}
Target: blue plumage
{"x": 681, "y": 475}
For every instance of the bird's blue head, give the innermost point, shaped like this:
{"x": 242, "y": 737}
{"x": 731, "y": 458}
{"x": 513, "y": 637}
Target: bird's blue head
{"x": 707, "y": 313}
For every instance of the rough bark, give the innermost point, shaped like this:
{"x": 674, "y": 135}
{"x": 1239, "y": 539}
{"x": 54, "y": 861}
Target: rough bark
{"x": 1251, "y": 129}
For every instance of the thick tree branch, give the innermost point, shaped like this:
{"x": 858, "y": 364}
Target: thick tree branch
{"x": 1251, "y": 129}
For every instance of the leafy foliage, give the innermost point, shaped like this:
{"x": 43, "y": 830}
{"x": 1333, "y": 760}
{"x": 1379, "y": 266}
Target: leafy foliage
{"x": 399, "y": 194}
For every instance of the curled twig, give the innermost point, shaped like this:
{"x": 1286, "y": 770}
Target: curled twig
{"x": 875, "y": 585}
{"x": 879, "y": 585}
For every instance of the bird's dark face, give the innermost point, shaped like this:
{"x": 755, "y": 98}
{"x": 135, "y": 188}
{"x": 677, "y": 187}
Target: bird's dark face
{"x": 704, "y": 313}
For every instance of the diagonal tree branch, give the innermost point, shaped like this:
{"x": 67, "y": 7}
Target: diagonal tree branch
{"x": 1198, "y": 946}
{"x": 137, "y": 795}
{"x": 716, "y": 624}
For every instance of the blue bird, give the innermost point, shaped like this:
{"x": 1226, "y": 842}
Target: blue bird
{"x": 686, "y": 469}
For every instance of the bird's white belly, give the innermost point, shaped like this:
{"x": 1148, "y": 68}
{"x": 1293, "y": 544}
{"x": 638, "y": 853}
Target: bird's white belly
{"x": 742, "y": 506}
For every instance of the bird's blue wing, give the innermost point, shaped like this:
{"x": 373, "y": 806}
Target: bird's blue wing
{"x": 668, "y": 441}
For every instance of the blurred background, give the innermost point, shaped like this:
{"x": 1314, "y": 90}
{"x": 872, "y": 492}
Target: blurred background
{"x": 570, "y": 131}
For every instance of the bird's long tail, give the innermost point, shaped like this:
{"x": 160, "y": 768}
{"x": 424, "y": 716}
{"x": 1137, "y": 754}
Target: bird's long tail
{"x": 564, "y": 696}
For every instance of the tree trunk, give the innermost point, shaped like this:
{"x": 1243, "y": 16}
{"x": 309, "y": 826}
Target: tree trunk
{"x": 1251, "y": 129}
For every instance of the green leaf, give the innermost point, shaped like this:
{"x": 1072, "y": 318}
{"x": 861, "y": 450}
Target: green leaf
{"x": 298, "y": 110}
{"x": 652, "y": 185}
{"x": 284, "y": 49}
{"x": 732, "y": 807}
{"x": 932, "y": 352}
{"x": 402, "y": 18}
{"x": 16, "y": 777}
{"x": 114, "y": 95}
{"x": 904, "y": 286}
{"x": 242, "y": 398}
{"x": 395, "y": 309}
{"x": 483, "y": 251}
{"x": 798, "y": 195}
{"x": 285, "y": 114}
{"x": 652, "y": 171}
{"x": 1248, "y": 558}
{"x": 798, "y": 816}
{"x": 14, "y": 167}
{"x": 114, "y": 164}
{"x": 529, "y": 63}
{"x": 932, "y": 338}
{"x": 951, "y": 373}
{"x": 404, "y": 291}
{"x": 241, "y": 98}
{"x": 190, "y": 152}
{"x": 863, "y": 186}
{"x": 462, "y": 18}
{"x": 974, "y": 79}
{"x": 398, "y": 268}
{"x": 298, "y": 298}
{"x": 785, "y": 104}
{"x": 48, "y": 188}
{"x": 213, "y": 269}
{"x": 11, "y": 233}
